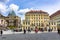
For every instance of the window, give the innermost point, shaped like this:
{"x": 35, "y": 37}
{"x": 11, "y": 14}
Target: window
{"x": 28, "y": 23}
{"x": 42, "y": 24}
{"x": 1, "y": 20}
{"x": 54, "y": 23}
{"x": 39, "y": 24}
{"x": 34, "y": 15}
{"x": 39, "y": 17}
{"x": 36, "y": 18}
{"x": 23, "y": 22}
{"x": 15, "y": 17}
{"x": 49, "y": 23}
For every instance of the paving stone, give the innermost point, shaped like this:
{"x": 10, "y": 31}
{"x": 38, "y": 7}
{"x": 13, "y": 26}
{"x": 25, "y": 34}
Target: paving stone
{"x": 41, "y": 36}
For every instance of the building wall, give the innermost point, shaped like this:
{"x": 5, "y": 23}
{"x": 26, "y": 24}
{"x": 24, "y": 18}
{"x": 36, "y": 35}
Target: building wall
{"x": 56, "y": 17}
{"x": 13, "y": 21}
{"x": 10, "y": 20}
{"x": 37, "y": 19}
{"x": 3, "y": 23}
{"x": 53, "y": 25}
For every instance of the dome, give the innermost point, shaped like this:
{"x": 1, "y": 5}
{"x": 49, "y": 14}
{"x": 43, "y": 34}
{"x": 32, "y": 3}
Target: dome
{"x": 12, "y": 13}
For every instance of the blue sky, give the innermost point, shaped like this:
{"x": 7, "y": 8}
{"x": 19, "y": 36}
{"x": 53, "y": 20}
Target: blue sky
{"x": 32, "y": 3}
{"x": 22, "y": 6}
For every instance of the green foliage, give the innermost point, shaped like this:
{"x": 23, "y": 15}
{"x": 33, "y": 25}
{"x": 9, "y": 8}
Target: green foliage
{"x": 12, "y": 27}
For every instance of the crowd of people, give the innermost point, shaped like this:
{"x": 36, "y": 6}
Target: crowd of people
{"x": 36, "y": 30}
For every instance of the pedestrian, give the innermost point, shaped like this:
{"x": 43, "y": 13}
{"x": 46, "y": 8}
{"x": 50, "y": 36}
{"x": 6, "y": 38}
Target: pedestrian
{"x": 29, "y": 30}
{"x": 1, "y": 32}
{"x": 24, "y": 31}
{"x": 58, "y": 31}
{"x": 36, "y": 30}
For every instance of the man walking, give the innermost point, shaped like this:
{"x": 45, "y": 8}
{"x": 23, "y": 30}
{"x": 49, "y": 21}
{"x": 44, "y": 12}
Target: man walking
{"x": 24, "y": 31}
{"x": 1, "y": 32}
{"x": 58, "y": 31}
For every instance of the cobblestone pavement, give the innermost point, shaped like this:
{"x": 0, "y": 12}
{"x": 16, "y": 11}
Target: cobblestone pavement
{"x": 41, "y": 36}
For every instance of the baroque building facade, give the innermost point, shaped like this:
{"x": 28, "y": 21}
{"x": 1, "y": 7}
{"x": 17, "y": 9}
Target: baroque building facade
{"x": 3, "y": 23}
{"x": 36, "y": 18}
{"x": 55, "y": 20}
{"x": 11, "y": 20}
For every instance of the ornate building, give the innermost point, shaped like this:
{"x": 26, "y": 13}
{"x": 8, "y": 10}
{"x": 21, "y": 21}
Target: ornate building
{"x": 55, "y": 20}
{"x": 13, "y": 20}
{"x": 3, "y": 23}
{"x": 36, "y": 18}
{"x": 10, "y": 21}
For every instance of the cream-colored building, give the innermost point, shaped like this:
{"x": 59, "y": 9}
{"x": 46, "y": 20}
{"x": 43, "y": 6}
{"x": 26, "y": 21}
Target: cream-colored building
{"x": 55, "y": 18}
{"x": 53, "y": 25}
{"x": 36, "y": 18}
{"x": 3, "y": 23}
{"x": 13, "y": 20}
{"x": 10, "y": 21}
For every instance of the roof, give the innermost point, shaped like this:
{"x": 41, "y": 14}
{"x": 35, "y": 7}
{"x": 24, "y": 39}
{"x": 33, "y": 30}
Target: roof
{"x": 37, "y": 11}
{"x": 55, "y": 14}
{"x": 1, "y": 15}
{"x": 12, "y": 13}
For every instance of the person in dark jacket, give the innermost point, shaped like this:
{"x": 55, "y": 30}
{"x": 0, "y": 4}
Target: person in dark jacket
{"x": 1, "y": 32}
{"x": 58, "y": 31}
{"x": 24, "y": 31}
{"x": 29, "y": 30}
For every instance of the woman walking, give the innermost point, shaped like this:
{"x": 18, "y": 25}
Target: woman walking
{"x": 36, "y": 30}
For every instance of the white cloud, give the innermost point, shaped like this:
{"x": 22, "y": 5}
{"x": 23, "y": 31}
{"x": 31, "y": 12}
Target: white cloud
{"x": 49, "y": 8}
{"x": 24, "y": 10}
{"x": 3, "y": 8}
{"x": 6, "y": 9}
{"x": 53, "y": 8}
{"x": 14, "y": 7}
